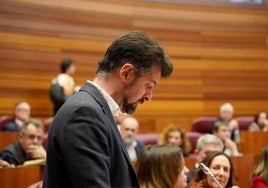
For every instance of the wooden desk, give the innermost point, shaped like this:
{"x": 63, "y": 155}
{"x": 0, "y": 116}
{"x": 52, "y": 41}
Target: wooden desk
{"x": 20, "y": 177}
{"x": 7, "y": 138}
{"x": 253, "y": 142}
{"x": 243, "y": 166}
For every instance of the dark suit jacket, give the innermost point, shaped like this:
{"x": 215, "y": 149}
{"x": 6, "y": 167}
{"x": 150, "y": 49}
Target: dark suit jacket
{"x": 85, "y": 148}
{"x": 190, "y": 174}
{"x": 139, "y": 147}
{"x": 14, "y": 154}
{"x": 12, "y": 127}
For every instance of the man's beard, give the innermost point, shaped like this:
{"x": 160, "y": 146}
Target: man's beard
{"x": 128, "y": 108}
{"x": 128, "y": 140}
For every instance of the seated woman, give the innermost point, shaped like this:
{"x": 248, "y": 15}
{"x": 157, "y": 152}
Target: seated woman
{"x": 259, "y": 178}
{"x": 260, "y": 122}
{"x": 175, "y": 136}
{"x": 172, "y": 173}
{"x": 222, "y": 169}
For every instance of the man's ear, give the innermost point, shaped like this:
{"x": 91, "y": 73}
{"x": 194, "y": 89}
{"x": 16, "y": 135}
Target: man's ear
{"x": 127, "y": 74}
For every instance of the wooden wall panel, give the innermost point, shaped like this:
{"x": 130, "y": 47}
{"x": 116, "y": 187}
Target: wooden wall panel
{"x": 219, "y": 51}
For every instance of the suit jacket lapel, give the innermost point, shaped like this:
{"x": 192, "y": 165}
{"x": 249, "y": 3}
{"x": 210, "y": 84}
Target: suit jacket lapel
{"x": 92, "y": 90}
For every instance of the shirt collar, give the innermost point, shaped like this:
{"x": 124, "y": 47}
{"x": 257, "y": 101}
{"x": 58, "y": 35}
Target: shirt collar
{"x": 114, "y": 107}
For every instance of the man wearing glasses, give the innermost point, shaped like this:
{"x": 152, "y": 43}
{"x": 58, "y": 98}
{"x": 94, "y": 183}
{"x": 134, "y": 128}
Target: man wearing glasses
{"x": 22, "y": 112}
{"x": 28, "y": 146}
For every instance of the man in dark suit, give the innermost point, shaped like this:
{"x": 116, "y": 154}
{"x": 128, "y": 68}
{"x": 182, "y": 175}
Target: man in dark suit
{"x": 22, "y": 112}
{"x": 28, "y": 146}
{"x": 85, "y": 148}
{"x": 129, "y": 128}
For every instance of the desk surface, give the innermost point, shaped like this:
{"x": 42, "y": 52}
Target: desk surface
{"x": 20, "y": 177}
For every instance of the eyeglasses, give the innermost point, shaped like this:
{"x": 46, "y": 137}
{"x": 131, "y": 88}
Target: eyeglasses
{"x": 32, "y": 137}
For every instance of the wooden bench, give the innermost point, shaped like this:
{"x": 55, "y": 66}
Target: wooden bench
{"x": 20, "y": 177}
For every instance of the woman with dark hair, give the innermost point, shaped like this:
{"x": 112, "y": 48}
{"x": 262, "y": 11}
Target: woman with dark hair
{"x": 259, "y": 178}
{"x": 220, "y": 166}
{"x": 260, "y": 122}
{"x": 160, "y": 166}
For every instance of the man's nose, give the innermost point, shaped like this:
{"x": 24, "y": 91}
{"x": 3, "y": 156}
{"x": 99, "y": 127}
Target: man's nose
{"x": 148, "y": 96}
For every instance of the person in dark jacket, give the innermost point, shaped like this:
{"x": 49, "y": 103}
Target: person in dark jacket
{"x": 84, "y": 147}
{"x": 28, "y": 146}
{"x": 64, "y": 85}
{"x": 22, "y": 112}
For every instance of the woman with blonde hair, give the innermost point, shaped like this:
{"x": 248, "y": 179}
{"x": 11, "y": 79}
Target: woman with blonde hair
{"x": 160, "y": 166}
{"x": 259, "y": 178}
{"x": 176, "y": 136}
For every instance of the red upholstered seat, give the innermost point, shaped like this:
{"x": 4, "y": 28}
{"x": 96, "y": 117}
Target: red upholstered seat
{"x": 149, "y": 138}
{"x": 193, "y": 137}
{"x": 203, "y": 124}
{"x": 5, "y": 119}
{"x": 244, "y": 122}
{"x": 47, "y": 123}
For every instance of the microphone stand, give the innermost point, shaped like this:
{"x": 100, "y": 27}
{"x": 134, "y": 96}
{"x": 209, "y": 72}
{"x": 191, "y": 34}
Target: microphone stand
{"x": 206, "y": 170}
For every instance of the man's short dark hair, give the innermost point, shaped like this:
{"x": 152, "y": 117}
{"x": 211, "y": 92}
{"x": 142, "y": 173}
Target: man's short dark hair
{"x": 137, "y": 49}
{"x": 65, "y": 64}
{"x": 217, "y": 125}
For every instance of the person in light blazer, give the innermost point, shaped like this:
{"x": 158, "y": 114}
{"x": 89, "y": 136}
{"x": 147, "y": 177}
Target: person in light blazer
{"x": 84, "y": 147}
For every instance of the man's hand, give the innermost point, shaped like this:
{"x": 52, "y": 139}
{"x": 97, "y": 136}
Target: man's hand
{"x": 36, "y": 152}
{"x": 3, "y": 164}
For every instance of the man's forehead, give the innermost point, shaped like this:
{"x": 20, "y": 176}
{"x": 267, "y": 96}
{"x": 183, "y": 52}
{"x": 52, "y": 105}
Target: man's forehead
{"x": 211, "y": 147}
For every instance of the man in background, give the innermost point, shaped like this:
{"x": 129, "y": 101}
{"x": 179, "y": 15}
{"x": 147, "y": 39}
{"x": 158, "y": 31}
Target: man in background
{"x": 223, "y": 131}
{"x": 205, "y": 144}
{"x": 63, "y": 86}
{"x": 129, "y": 128}
{"x": 28, "y": 146}
{"x": 22, "y": 112}
{"x": 226, "y": 113}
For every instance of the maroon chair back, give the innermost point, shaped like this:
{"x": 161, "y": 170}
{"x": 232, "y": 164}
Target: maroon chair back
{"x": 4, "y": 120}
{"x": 193, "y": 137}
{"x": 47, "y": 123}
{"x": 203, "y": 124}
{"x": 149, "y": 138}
{"x": 244, "y": 122}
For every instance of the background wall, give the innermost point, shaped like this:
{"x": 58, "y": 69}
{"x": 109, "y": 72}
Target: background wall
{"x": 219, "y": 51}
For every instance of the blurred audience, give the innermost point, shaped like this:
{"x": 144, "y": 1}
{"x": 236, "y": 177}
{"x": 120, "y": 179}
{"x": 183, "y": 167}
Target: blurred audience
{"x": 175, "y": 136}
{"x": 129, "y": 128}
{"x": 222, "y": 169}
{"x": 226, "y": 113}
{"x": 22, "y": 112}
{"x": 222, "y": 130}
{"x": 28, "y": 146}
{"x": 205, "y": 144}
{"x": 260, "y": 122}
{"x": 63, "y": 86}
{"x": 259, "y": 178}
{"x": 161, "y": 166}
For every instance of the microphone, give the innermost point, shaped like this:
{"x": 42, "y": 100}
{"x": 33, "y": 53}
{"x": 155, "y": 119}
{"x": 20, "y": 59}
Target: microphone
{"x": 206, "y": 170}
